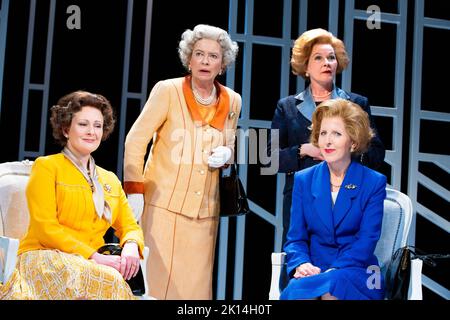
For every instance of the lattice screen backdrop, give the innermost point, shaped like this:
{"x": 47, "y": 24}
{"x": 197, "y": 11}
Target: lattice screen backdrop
{"x": 122, "y": 48}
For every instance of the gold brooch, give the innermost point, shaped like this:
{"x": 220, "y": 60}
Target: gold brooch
{"x": 231, "y": 115}
{"x": 350, "y": 186}
{"x": 107, "y": 187}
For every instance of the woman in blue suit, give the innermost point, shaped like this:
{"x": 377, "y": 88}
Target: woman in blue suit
{"x": 337, "y": 211}
{"x": 317, "y": 56}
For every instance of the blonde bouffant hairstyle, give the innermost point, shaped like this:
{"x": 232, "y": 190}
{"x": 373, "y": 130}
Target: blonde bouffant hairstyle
{"x": 303, "y": 47}
{"x": 356, "y": 121}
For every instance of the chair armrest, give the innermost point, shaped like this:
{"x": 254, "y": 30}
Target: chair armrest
{"x": 145, "y": 296}
{"x": 8, "y": 257}
{"x": 415, "y": 283}
{"x": 278, "y": 259}
{"x": 144, "y": 268}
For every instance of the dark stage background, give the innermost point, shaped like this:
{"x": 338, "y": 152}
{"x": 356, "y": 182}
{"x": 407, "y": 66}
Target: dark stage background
{"x": 91, "y": 58}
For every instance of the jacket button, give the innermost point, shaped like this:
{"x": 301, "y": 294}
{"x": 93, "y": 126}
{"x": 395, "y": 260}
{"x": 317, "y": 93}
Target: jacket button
{"x": 198, "y": 193}
{"x": 202, "y": 171}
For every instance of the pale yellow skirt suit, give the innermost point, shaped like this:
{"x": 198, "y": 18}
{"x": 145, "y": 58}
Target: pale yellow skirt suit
{"x": 181, "y": 211}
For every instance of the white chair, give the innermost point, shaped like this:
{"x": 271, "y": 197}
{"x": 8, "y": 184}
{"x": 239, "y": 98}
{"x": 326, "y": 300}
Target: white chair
{"x": 13, "y": 205}
{"x": 13, "y": 212}
{"x": 397, "y": 219}
{"x": 15, "y": 217}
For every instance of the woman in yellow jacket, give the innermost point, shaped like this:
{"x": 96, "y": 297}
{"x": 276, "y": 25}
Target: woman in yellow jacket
{"x": 72, "y": 203}
{"x": 192, "y": 123}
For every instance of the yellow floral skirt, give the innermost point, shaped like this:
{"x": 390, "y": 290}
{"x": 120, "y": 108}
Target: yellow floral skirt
{"x": 56, "y": 275}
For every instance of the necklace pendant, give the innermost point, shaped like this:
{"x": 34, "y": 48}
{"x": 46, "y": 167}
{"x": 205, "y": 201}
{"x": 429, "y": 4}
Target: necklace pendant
{"x": 336, "y": 186}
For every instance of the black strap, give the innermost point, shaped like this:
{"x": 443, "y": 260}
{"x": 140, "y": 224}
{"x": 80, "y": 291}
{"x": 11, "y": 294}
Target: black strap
{"x": 427, "y": 258}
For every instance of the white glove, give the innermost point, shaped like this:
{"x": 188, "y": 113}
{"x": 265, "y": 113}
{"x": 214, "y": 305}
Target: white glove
{"x": 136, "y": 201}
{"x": 219, "y": 157}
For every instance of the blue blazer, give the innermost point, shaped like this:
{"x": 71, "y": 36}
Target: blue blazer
{"x": 343, "y": 236}
{"x": 291, "y": 125}
{"x": 292, "y": 119}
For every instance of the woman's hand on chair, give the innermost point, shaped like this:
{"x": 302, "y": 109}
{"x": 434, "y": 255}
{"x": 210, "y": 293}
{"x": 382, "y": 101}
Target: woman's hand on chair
{"x": 306, "y": 269}
{"x": 129, "y": 263}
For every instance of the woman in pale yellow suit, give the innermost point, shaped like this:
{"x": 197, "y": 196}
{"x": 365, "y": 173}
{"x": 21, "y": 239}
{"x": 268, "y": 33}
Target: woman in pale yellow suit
{"x": 72, "y": 203}
{"x": 192, "y": 122}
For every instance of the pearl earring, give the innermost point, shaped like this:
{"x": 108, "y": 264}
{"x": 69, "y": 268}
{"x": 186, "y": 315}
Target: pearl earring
{"x": 307, "y": 74}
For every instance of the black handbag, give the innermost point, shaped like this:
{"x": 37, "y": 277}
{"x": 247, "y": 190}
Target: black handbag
{"x": 233, "y": 200}
{"x": 137, "y": 282}
{"x": 399, "y": 270}
{"x": 398, "y": 274}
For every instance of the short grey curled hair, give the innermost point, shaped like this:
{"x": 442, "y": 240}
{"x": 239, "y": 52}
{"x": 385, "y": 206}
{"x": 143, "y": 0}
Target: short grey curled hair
{"x": 203, "y": 31}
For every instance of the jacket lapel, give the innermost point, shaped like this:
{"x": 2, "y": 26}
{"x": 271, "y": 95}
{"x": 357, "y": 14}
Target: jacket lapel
{"x": 307, "y": 104}
{"x": 349, "y": 190}
{"x": 321, "y": 192}
{"x": 223, "y": 105}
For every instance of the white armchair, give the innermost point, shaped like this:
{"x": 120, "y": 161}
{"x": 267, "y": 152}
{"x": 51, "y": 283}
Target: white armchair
{"x": 13, "y": 212}
{"x": 13, "y": 205}
{"x": 394, "y": 234}
{"x": 15, "y": 217}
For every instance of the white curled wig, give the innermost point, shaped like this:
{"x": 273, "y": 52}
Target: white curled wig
{"x": 203, "y": 31}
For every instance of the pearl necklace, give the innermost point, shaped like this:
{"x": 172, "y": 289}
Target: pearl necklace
{"x": 204, "y": 101}
{"x": 321, "y": 96}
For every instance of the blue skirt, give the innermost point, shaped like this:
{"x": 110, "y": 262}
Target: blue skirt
{"x": 344, "y": 284}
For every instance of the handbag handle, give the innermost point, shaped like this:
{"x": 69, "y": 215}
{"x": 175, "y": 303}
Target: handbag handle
{"x": 427, "y": 258}
{"x": 229, "y": 171}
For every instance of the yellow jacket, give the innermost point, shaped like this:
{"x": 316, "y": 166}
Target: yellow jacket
{"x": 176, "y": 175}
{"x": 62, "y": 213}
